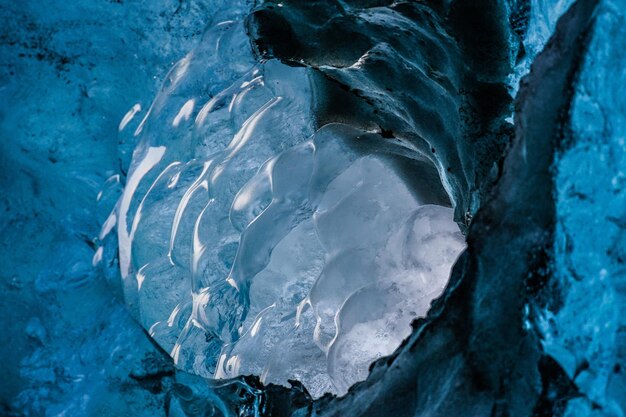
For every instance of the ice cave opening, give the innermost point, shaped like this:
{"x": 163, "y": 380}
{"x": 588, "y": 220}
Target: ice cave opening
{"x": 253, "y": 242}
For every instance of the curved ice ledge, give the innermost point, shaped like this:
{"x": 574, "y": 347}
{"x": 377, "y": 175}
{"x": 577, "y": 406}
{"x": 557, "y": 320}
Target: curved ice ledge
{"x": 252, "y": 243}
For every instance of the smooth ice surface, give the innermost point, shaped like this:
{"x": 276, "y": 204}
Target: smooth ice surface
{"x": 249, "y": 243}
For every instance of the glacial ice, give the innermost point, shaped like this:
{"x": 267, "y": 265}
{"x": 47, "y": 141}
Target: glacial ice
{"x": 250, "y": 244}
{"x": 534, "y": 21}
{"x": 68, "y": 73}
{"x": 282, "y": 190}
{"x": 257, "y": 237}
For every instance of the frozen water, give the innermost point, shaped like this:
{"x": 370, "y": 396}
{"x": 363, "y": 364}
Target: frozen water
{"x": 284, "y": 220}
{"x": 540, "y": 17}
{"x": 250, "y": 243}
{"x": 358, "y": 257}
{"x": 68, "y": 73}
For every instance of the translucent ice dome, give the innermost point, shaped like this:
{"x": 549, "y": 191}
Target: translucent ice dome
{"x": 253, "y": 242}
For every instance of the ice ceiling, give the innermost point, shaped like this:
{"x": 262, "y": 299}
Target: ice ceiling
{"x": 416, "y": 207}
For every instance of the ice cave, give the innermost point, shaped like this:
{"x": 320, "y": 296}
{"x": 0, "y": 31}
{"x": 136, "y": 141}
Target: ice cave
{"x": 313, "y": 208}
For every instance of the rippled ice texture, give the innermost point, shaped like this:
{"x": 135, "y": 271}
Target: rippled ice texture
{"x": 250, "y": 243}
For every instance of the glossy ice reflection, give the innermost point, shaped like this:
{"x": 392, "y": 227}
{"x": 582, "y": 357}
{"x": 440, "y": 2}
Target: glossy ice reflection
{"x": 252, "y": 243}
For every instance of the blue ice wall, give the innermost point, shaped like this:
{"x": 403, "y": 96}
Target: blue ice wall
{"x": 68, "y": 74}
{"x": 587, "y": 334}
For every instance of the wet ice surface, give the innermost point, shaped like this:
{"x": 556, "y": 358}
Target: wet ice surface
{"x": 354, "y": 256}
{"x": 250, "y": 243}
